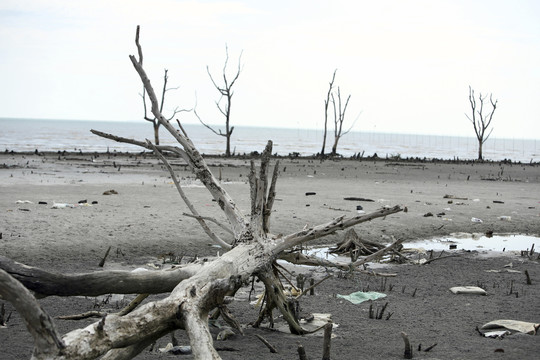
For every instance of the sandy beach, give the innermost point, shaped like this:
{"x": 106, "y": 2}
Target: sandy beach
{"x": 141, "y": 220}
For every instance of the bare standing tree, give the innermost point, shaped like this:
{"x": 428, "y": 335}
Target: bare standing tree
{"x": 155, "y": 123}
{"x": 481, "y": 122}
{"x": 326, "y": 103}
{"x": 226, "y": 92}
{"x": 193, "y": 289}
{"x": 339, "y": 118}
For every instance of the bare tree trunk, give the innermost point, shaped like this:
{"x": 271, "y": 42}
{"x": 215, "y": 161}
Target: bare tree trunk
{"x": 480, "y": 155}
{"x": 226, "y": 92}
{"x": 481, "y": 122}
{"x": 326, "y": 103}
{"x": 339, "y": 118}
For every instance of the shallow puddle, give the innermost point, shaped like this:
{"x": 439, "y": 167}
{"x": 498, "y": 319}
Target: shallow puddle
{"x": 461, "y": 241}
{"x": 501, "y": 242}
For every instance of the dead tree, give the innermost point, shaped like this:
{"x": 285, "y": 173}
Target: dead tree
{"x": 195, "y": 289}
{"x": 226, "y": 92}
{"x": 339, "y": 118}
{"x": 326, "y": 103}
{"x": 481, "y": 122}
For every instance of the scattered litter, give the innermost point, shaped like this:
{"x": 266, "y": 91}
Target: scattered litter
{"x": 476, "y": 200}
{"x": 454, "y": 197}
{"x": 61, "y": 205}
{"x": 110, "y": 192}
{"x": 360, "y": 296}
{"x": 513, "y": 325}
{"x": 476, "y": 220}
{"x": 42, "y": 203}
{"x": 505, "y": 218}
{"x": 176, "y": 350}
{"x": 505, "y": 270}
{"x": 499, "y": 334}
{"x": 428, "y": 214}
{"x": 310, "y": 323}
{"x": 23, "y": 202}
{"x": 352, "y": 198}
{"x": 469, "y": 290}
{"x": 498, "y": 202}
{"x": 310, "y": 193}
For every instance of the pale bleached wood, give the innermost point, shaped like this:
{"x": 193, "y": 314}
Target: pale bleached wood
{"x": 189, "y": 204}
{"x": 339, "y": 223}
{"x": 38, "y": 322}
{"x": 45, "y": 283}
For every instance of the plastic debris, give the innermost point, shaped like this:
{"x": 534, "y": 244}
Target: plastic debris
{"x": 23, "y": 202}
{"x": 476, "y": 220}
{"x": 470, "y": 290}
{"x": 505, "y": 218}
{"x": 176, "y": 350}
{"x": 360, "y": 296}
{"x": 61, "y": 205}
{"x": 513, "y": 325}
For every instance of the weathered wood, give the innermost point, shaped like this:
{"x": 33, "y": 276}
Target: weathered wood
{"x": 327, "y": 341}
{"x": 408, "y": 353}
{"x": 44, "y": 283}
{"x": 302, "y": 352}
{"x": 37, "y": 321}
{"x": 102, "y": 262}
{"x": 267, "y": 344}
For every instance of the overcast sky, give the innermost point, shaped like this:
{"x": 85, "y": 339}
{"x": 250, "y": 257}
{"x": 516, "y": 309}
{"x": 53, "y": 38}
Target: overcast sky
{"x": 406, "y": 64}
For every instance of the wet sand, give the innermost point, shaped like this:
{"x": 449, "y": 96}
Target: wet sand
{"x": 144, "y": 220}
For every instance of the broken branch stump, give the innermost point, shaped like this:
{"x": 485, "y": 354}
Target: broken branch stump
{"x": 327, "y": 339}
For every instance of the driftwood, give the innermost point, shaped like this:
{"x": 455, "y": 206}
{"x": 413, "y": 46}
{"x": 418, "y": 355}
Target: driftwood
{"x": 195, "y": 289}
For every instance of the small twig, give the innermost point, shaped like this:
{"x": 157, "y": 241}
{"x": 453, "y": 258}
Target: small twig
{"x": 133, "y": 304}
{"x": 215, "y": 221}
{"x": 85, "y": 315}
{"x": 313, "y": 286}
{"x": 102, "y": 262}
{"x": 266, "y": 343}
{"x": 440, "y": 257}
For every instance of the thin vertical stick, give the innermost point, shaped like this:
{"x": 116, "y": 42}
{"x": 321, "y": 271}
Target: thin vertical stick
{"x": 327, "y": 339}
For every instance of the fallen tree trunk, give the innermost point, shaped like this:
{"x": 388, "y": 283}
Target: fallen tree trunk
{"x": 44, "y": 283}
{"x": 195, "y": 289}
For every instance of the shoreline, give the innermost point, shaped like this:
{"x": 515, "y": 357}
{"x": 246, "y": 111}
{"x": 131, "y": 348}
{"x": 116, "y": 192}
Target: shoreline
{"x": 256, "y": 154}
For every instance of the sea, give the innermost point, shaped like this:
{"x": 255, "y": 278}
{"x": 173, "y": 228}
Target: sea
{"x": 29, "y": 135}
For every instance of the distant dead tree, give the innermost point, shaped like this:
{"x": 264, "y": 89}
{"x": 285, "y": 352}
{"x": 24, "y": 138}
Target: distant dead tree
{"x": 156, "y": 124}
{"x": 339, "y": 118}
{"x": 226, "y": 92}
{"x": 193, "y": 290}
{"x": 481, "y": 122}
{"x": 340, "y": 110}
{"x": 326, "y": 103}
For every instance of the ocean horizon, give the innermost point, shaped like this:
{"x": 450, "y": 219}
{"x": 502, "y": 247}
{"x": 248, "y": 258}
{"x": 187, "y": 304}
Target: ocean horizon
{"x": 24, "y": 135}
